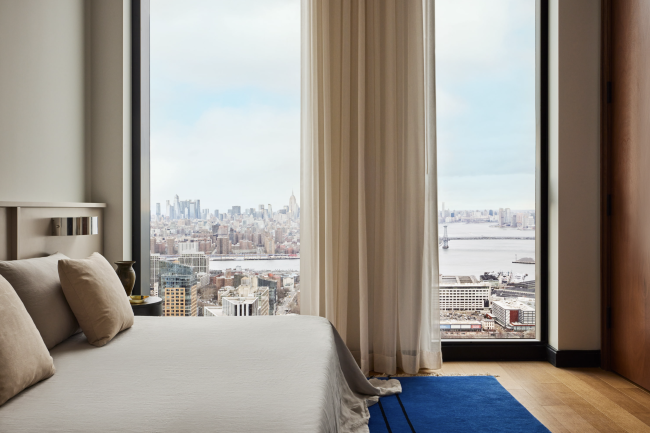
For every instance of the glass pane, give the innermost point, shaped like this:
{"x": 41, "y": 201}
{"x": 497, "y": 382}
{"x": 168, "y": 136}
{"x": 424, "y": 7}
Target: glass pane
{"x": 485, "y": 77}
{"x": 225, "y": 156}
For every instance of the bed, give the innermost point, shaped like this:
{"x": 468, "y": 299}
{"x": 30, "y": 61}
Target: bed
{"x": 174, "y": 374}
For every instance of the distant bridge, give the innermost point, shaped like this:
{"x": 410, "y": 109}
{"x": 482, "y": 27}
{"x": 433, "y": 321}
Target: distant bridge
{"x": 480, "y": 238}
{"x": 444, "y": 240}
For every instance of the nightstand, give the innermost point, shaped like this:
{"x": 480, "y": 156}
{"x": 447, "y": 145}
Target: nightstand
{"x": 152, "y": 306}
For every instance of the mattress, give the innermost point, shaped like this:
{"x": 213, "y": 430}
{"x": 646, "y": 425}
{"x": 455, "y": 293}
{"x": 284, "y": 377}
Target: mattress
{"x": 217, "y": 374}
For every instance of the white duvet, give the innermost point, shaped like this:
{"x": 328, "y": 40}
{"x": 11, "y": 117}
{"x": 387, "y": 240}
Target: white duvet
{"x": 200, "y": 374}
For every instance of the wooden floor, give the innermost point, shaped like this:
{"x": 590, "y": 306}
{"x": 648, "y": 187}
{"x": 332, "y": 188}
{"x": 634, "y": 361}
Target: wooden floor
{"x": 569, "y": 400}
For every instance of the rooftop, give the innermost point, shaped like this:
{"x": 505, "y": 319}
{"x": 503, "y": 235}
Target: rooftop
{"x": 513, "y": 304}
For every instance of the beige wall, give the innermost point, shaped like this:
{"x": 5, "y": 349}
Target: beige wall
{"x": 574, "y": 202}
{"x": 65, "y": 108}
{"x": 42, "y": 143}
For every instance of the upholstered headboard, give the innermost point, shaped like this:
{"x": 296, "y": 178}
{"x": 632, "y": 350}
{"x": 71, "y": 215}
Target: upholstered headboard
{"x": 26, "y": 230}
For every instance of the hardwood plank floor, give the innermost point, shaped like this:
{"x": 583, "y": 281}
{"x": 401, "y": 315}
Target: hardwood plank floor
{"x": 569, "y": 400}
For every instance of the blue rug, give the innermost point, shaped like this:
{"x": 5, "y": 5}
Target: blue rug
{"x": 452, "y": 405}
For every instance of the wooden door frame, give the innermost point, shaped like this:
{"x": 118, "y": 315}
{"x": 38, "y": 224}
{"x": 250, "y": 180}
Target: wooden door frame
{"x": 605, "y": 181}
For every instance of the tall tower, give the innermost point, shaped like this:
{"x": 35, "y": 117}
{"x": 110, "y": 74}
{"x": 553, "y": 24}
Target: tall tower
{"x": 445, "y": 240}
{"x": 177, "y": 207}
{"x": 293, "y": 207}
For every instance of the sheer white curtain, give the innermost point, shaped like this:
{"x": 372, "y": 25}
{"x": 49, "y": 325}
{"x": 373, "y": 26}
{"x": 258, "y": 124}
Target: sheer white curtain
{"x": 369, "y": 250}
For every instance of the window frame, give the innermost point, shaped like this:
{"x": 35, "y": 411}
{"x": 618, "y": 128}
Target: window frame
{"x": 453, "y": 350}
{"x": 538, "y": 348}
{"x": 140, "y": 146}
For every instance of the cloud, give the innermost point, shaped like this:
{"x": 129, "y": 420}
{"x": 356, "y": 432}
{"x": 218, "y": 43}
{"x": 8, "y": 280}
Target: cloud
{"x": 245, "y": 157}
{"x": 218, "y": 45}
{"x": 485, "y": 73}
{"x": 225, "y": 101}
{"x": 478, "y": 37}
{"x": 489, "y": 190}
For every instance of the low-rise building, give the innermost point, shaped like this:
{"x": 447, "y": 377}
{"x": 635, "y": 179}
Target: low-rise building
{"x": 197, "y": 261}
{"x": 511, "y": 314}
{"x": 460, "y": 325}
{"x": 203, "y": 279}
{"x": 488, "y": 324}
{"x": 212, "y": 311}
{"x": 240, "y": 306}
{"x": 463, "y": 293}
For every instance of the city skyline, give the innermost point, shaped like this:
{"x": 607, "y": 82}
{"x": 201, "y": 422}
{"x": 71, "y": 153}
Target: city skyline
{"x": 442, "y": 206}
{"x": 175, "y": 208}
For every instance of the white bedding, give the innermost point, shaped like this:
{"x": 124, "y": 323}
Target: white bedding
{"x": 178, "y": 374}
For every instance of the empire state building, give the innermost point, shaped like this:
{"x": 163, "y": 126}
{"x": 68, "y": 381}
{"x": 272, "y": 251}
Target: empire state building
{"x": 294, "y": 210}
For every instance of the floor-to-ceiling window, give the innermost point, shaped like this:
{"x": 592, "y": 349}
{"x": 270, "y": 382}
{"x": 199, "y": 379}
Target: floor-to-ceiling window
{"x": 486, "y": 118}
{"x": 225, "y": 156}
{"x": 225, "y": 121}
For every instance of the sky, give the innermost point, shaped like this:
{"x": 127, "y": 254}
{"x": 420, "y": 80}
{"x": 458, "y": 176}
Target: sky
{"x": 225, "y": 102}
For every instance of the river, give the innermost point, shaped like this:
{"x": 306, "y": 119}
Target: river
{"x": 462, "y": 257}
{"x": 284, "y": 265}
{"x": 478, "y": 256}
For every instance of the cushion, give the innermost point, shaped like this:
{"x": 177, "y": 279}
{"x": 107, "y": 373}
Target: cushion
{"x": 36, "y": 282}
{"x": 24, "y": 359}
{"x": 96, "y": 297}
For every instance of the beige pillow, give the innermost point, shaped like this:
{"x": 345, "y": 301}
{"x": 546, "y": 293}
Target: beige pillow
{"x": 36, "y": 281}
{"x": 24, "y": 359}
{"x": 96, "y": 297}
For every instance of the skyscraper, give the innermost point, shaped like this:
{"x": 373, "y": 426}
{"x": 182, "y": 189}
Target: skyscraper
{"x": 273, "y": 287}
{"x": 198, "y": 262}
{"x": 154, "y": 268}
{"x": 177, "y": 207}
{"x": 222, "y": 245}
{"x": 294, "y": 209}
{"x": 178, "y": 289}
{"x": 157, "y": 209}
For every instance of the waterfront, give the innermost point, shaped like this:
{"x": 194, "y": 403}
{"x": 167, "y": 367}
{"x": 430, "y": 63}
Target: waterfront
{"x": 284, "y": 265}
{"x": 474, "y": 257}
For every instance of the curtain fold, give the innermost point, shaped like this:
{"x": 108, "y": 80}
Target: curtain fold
{"x": 369, "y": 250}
